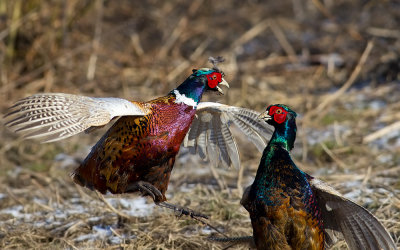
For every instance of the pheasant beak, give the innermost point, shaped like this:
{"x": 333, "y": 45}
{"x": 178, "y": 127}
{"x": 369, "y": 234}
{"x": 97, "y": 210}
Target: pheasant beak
{"x": 223, "y": 82}
{"x": 264, "y": 116}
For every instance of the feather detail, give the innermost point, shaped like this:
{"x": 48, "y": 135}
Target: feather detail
{"x": 53, "y": 117}
{"x": 182, "y": 98}
{"x": 355, "y": 224}
{"x": 212, "y": 124}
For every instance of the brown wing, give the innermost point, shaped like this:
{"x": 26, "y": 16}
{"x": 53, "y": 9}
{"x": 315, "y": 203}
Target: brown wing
{"x": 360, "y": 228}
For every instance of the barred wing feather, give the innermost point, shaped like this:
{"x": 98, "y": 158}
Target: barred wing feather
{"x": 210, "y": 135}
{"x": 346, "y": 219}
{"x": 53, "y": 117}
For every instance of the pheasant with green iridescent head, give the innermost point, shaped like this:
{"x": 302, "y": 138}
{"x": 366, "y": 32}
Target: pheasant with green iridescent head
{"x": 138, "y": 152}
{"x": 290, "y": 209}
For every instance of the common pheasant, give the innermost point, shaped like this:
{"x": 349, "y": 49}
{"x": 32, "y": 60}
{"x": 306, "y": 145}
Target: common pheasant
{"x": 138, "y": 152}
{"x": 290, "y": 209}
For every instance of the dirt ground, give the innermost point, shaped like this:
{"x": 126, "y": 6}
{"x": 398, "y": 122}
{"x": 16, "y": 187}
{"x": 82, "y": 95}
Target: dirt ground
{"x": 336, "y": 63}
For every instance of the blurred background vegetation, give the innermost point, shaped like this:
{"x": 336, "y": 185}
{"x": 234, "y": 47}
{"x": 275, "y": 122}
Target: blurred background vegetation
{"x": 336, "y": 63}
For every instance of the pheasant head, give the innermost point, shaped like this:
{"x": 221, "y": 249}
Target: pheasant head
{"x": 201, "y": 80}
{"x": 284, "y": 120}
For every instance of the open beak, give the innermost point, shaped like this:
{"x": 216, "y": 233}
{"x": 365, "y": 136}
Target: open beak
{"x": 264, "y": 116}
{"x": 225, "y": 83}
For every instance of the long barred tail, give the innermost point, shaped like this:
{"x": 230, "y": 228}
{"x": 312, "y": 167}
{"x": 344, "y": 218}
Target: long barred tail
{"x": 240, "y": 239}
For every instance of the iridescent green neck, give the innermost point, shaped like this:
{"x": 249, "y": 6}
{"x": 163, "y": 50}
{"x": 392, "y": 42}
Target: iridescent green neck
{"x": 276, "y": 166}
{"x": 193, "y": 87}
{"x": 285, "y": 134}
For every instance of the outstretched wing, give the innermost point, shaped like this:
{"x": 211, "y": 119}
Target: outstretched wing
{"x": 360, "y": 228}
{"x": 52, "y": 117}
{"x": 210, "y": 134}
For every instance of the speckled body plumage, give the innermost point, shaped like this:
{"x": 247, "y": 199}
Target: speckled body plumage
{"x": 283, "y": 210}
{"x": 138, "y": 149}
{"x": 138, "y": 152}
{"x": 282, "y": 206}
{"x": 290, "y": 209}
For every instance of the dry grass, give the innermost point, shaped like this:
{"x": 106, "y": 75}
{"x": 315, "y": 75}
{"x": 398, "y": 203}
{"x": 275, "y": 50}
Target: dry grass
{"x": 336, "y": 63}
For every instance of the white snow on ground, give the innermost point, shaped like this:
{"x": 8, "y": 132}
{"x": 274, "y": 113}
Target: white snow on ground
{"x": 104, "y": 233}
{"x": 358, "y": 190}
{"x": 137, "y": 206}
{"x": 98, "y": 232}
{"x": 56, "y": 217}
{"x": 16, "y": 212}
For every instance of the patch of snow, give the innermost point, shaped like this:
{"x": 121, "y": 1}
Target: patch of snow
{"x": 186, "y": 188}
{"x": 65, "y": 160}
{"x": 40, "y": 201}
{"x": 15, "y": 211}
{"x": 85, "y": 237}
{"x": 385, "y": 158}
{"x": 207, "y": 230}
{"x": 98, "y": 232}
{"x": 94, "y": 219}
{"x": 115, "y": 240}
{"x": 315, "y": 136}
{"x": 133, "y": 206}
{"x": 377, "y": 105}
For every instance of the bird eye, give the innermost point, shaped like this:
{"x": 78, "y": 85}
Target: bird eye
{"x": 278, "y": 111}
{"x": 214, "y": 77}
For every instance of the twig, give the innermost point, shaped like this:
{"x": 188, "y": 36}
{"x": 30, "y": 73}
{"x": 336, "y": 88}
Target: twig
{"x": 322, "y": 9}
{"x": 111, "y": 207}
{"x": 240, "y": 180}
{"x": 333, "y": 97}
{"x": 209, "y": 225}
{"x": 340, "y": 163}
{"x": 367, "y": 176}
{"x": 179, "y": 29}
{"x": 283, "y": 41}
{"x": 381, "y": 132}
{"x": 70, "y": 244}
{"x": 96, "y": 41}
{"x": 386, "y": 33}
{"x": 250, "y": 34}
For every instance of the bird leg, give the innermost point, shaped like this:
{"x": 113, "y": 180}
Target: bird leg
{"x": 147, "y": 188}
{"x": 182, "y": 210}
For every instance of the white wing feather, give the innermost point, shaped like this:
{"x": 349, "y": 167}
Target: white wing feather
{"x": 52, "y": 117}
{"x": 210, "y": 135}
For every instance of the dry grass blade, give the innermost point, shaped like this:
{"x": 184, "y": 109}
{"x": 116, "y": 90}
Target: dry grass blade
{"x": 123, "y": 215}
{"x": 382, "y": 132}
{"x": 331, "y": 98}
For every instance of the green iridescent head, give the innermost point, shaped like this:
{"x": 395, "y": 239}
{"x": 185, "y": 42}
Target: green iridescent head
{"x": 284, "y": 120}
{"x": 278, "y": 114}
{"x": 213, "y": 78}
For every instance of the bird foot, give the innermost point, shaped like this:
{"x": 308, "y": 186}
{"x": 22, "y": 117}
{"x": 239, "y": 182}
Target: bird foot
{"x": 146, "y": 188}
{"x": 182, "y": 210}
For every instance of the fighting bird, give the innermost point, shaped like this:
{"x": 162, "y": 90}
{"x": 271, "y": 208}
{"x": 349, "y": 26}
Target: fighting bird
{"x": 138, "y": 152}
{"x": 290, "y": 209}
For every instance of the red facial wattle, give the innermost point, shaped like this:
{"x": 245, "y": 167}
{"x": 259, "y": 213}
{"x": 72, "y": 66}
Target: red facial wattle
{"x": 214, "y": 79}
{"x": 278, "y": 113}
